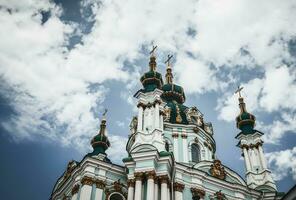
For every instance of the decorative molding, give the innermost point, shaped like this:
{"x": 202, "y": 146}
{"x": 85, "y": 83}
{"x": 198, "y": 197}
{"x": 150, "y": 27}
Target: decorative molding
{"x": 150, "y": 175}
{"x": 179, "y": 187}
{"x": 100, "y": 184}
{"x": 163, "y": 179}
{"x": 75, "y": 189}
{"x": 131, "y": 183}
{"x": 195, "y": 130}
{"x": 217, "y": 170}
{"x": 87, "y": 180}
{"x": 139, "y": 176}
{"x": 198, "y": 192}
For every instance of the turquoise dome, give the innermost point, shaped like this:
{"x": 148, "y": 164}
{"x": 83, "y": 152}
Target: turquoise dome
{"x": 151, "y": 79}
{"x": 172, "y": 92}
{"x": 245, "y": 121}
{"x": 100, "y": 142}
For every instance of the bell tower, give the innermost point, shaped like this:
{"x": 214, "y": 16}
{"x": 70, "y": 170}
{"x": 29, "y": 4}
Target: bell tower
{"x": 150, "y": 108}
{"x": 257, "y": 174}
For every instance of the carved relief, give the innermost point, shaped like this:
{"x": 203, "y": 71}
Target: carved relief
{"x": 70, "y": 167}
{"x": 131, "y": 183}
{"x": 163, "y": 179}
{"x": 134, "y": 125}
{"x": 139, "y": 176}
{"x": 75, "y": 189}
{"x": 87, "y": 181}
{"x": 150, "y": 175}
{"x": 217, "y": 170}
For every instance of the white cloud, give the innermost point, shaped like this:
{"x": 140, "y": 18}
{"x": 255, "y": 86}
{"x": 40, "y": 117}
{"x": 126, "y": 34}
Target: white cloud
{"x": 283, "y": 163}
{"x": 55, "y": 88}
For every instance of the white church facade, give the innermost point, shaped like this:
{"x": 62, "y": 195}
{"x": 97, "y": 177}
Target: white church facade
{"x": 171, "y": 154}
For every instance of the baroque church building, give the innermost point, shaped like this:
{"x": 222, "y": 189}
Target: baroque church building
{"x": 171, "y": 154}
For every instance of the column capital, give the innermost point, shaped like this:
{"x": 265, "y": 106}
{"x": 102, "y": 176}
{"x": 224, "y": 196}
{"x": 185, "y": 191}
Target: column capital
{"x": 198, "y": 192}
{"x": 139, "y": 176}
{"x": 163, "y": 179}
{"x": 131, "y": 183}
{"x": 100, "y": 184}
{"x": 178, "y": 187}
{"x": 184, "y": 136}
{"x": 140, "y": 104}
{"x": 175, "y": 135}
{"x": 87, "y": 180}
{"x": 150, "y": 174}
{"x": 75, "y": 189}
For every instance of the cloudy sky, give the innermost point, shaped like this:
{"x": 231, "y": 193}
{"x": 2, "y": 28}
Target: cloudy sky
{"x": 62, "y": 62}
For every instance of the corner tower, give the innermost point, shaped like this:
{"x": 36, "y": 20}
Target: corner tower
{"x": 257, "y": 174}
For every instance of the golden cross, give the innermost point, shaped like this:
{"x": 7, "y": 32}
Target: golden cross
{"x": 239, "y": 89}
{"x": 168, "y": 60}
{"x": 153, "y": 49}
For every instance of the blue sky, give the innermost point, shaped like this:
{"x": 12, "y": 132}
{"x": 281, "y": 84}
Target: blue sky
{"x": 63, "y": 62}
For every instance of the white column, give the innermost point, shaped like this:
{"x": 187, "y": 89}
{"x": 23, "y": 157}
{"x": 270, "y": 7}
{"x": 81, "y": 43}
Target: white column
{"x": 131, "y": 189}
{"x": 161, "y": 122}
{"x": 155, "y": 189}
{"x": 156, "y": 113}
{"x": 138, "y": 189}
{"x": 185, "y": 150}
{"x": 169, "y": 194}
{"x": 99, "y": 194}
{"x": 176, "y": 149}
{"x": 247, "y": 160}
{"x": 140, "y": 118}
{"x": 74, "y": 197}
{"x": 85, "y": 193}
{"x": 150, "y": 185}
{"x": 262, "y": 158}
{"x": 178, "y": 188}
{"x": 164, "y": 188}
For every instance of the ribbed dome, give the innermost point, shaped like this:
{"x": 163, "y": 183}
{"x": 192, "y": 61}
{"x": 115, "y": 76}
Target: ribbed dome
{"x": 152, "y": 79}
{"x": 100, "y": 142}
{"x": 245, "y": 121}
{"x": 172, "y": 92}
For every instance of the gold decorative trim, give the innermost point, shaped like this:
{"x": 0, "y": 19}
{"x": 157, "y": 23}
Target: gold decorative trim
{"x": 87, "y": 181}
{"x": 184, "y": 136}
{"x": 179, "y": 187}
{"x": 163, "y": 179}
{"x": 198, "y": 192}
{"x": 131, "y": 183}
{"x": 217, "y": 170}
{"x": 139, "y": 176}
{"x": 150, "y": 175}
{"x": 100, "y": 184}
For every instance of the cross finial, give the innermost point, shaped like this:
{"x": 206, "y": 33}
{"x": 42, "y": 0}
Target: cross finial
{"x": 239, "y": 89}
{"x": 168, "y": 59}
{"x": 105, "y": 112}
{"x": 153, "y": 49}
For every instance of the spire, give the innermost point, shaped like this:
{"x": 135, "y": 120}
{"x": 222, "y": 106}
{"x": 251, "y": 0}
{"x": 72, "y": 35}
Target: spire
{"x": 169, "y": 75}
{"x": 241, "y": 104}
{"x": 100, "y": 142}
{"x": 103, "y": 124}
{"x": 152, "y": 62}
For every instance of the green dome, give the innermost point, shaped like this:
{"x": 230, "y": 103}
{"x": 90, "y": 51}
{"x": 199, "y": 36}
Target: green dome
{"x": 100, "y": 140}
{"x": 172, "y": 92}
{"x": 151, "y": 79}
{"x": 245, "y": 121}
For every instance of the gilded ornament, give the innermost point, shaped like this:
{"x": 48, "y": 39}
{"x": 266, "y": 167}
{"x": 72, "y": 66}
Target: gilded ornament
{"x": 217, "y": 170}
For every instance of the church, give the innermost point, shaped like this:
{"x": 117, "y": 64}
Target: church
{"x": 171, "y": 154}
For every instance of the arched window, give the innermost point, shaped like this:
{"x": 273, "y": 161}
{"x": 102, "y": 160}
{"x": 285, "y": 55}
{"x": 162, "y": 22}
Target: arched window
{"x": 195, "y": 153}
{"x": 116, "y": 196}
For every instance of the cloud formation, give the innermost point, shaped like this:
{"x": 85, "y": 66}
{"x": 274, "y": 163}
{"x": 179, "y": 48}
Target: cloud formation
{"x": 55, "y": 89}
